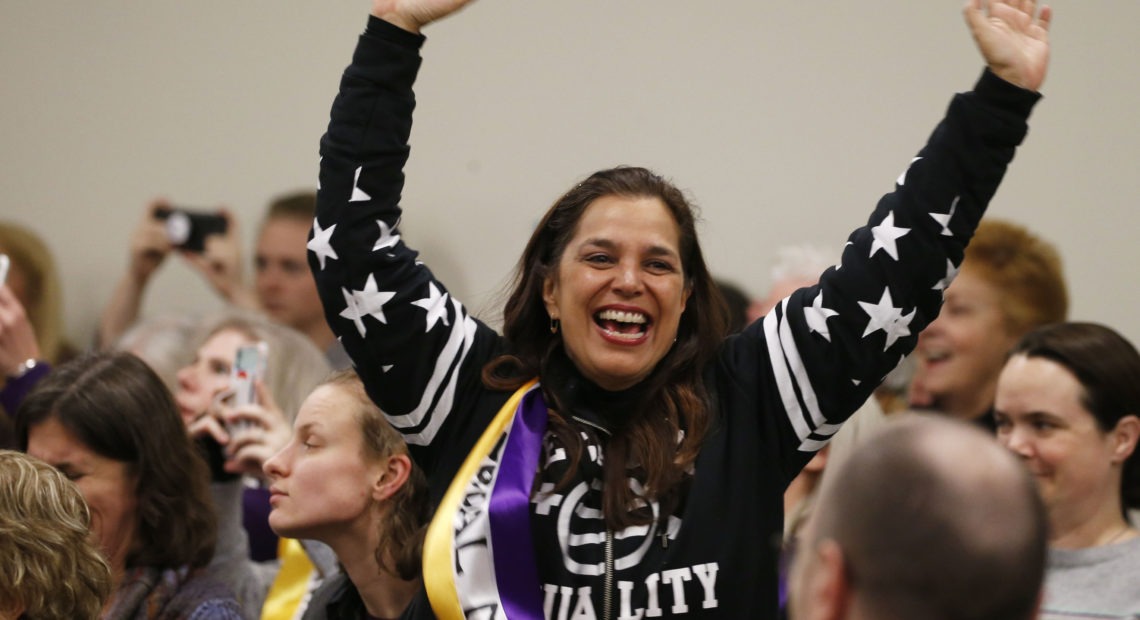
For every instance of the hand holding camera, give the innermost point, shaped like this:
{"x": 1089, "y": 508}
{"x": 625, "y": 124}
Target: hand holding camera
{"x": 207, "y": 239}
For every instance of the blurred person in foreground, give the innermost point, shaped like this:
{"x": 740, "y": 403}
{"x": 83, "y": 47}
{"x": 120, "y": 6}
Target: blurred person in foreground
{"x": 931, "y": 520}
{"x": 50, "y": 569}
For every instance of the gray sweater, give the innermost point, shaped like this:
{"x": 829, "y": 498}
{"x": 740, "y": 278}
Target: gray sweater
{"x": 1098, "y": 582}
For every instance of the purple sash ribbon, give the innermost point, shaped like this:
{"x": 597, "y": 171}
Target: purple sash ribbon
{"x": 516, "y": 568}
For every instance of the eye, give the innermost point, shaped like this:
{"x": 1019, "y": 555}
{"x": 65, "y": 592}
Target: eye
{"x": 660, "y": 266}
{"x": 957, "y": 309}
{"x": 218, "y": 367}
{"x": 260, "y": 263}
{"x": 1002, "y": 424}
{"x": 291, "y": 267}
{"x": 599, "y": 259}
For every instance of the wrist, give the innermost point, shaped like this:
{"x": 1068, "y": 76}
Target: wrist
{"x": 23, "y": 368}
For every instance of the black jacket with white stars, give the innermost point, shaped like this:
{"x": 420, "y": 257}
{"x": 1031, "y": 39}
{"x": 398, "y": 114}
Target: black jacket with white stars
{"x": 782, "y": 387}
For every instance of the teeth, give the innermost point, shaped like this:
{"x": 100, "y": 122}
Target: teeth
{"x": 624, "y": 336}
{"x": 622, "y": 317}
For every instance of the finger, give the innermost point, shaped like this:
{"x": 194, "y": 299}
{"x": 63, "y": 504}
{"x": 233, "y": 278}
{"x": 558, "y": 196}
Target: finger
{"x": 973, "y": 13}
{"x": 1045, "y": 17}
{"x": 244, "y": 439}
{"x": 197, "y": 261}
{"x": 265, "y": 395}
{"x": 248, "y": 462}
{"x": 250, "y": 414}
{"x": 209, "y": 425}
{"x": 156, "y": 205}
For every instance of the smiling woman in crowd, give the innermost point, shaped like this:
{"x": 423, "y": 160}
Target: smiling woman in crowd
{"x": 1068, "y": 403}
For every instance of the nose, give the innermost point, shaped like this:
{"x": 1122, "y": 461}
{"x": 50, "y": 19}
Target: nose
{"x": 1018, "y": 441}
{"x": 267, "y": 280}
{"x": 276, "y": 466}
{"x": 627, "y": 280}
{"x": 186, "y": 378}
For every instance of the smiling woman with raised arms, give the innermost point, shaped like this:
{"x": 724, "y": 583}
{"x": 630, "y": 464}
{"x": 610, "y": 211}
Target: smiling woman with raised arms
{"x": 611, "y": 454}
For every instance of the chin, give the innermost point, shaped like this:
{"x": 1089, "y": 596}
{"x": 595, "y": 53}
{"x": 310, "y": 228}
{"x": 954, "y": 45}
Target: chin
{"x": 282, "y": 527}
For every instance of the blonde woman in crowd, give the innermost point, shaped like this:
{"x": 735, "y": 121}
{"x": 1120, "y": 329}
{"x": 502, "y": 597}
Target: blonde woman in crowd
{"x": 1010, "y": 282}
{"x": 50, "y": 570}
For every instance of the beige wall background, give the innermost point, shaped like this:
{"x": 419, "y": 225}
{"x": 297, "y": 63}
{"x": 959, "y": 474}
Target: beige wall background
{"x": 785, "y": 120}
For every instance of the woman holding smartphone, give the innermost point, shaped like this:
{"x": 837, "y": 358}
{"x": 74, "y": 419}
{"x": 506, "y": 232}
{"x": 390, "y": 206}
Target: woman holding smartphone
{"x": 238, "y": 439}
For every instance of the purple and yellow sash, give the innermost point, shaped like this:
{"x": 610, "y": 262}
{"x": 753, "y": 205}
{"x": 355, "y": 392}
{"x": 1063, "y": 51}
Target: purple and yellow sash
{"x": 478, "y": 557}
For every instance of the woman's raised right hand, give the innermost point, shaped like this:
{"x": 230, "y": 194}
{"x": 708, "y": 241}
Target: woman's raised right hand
{"x": 411, "y": 15}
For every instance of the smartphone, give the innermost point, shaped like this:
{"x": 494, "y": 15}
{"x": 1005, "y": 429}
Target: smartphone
{"x": 5, "y": 263}
{"x": 187, "y": 229}
{"x": 249, "y": 366}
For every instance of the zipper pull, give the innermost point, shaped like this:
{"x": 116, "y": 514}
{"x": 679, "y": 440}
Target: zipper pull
{"x": 664, "y": 539}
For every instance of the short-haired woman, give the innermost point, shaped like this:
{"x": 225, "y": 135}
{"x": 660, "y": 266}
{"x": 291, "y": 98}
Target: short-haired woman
{"x": 50, "y": 571}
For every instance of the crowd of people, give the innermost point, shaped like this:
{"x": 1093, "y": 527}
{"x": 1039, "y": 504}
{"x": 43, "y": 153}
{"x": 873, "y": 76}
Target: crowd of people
{"x": 638, "y": 440}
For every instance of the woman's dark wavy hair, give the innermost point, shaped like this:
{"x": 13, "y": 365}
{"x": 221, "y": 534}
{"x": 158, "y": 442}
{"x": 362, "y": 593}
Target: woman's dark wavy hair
{"x": 675, "y": 397}
{"x": 119, "y": 408}
{"x": 1108, "y": 368}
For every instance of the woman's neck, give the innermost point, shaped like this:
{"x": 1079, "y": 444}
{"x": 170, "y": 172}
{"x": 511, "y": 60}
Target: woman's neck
{"x": 1073, "y": 529}
{"x": 384, "y": 594}
{"x": 969, "y": 406}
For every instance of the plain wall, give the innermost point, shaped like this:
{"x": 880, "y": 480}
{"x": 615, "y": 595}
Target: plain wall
{"x": 785, "y": 120}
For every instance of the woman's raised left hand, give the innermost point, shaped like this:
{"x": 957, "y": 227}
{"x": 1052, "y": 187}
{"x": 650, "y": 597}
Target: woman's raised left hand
{"x": 1013, "y": 37}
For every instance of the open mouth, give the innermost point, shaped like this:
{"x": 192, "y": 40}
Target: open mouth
{"x": 622, "y": 324}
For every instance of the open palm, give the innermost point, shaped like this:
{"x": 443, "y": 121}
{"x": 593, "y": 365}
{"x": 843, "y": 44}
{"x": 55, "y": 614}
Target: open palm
{"x": 1013, "y": 37}
{"x": 414, "y": 14}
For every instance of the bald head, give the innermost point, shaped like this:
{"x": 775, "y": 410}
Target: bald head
{"x": 930, "y": 519}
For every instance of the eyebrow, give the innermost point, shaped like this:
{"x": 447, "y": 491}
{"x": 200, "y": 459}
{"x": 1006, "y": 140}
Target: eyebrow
{"x": 607, "y": 244}
{"x": 307, "y": 427}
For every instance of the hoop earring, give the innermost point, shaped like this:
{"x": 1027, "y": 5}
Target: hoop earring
{"x": 554, "y": 323}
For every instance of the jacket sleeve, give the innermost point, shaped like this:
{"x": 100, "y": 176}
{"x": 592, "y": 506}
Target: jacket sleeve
{"x": 822, "y": 351}
{"x": 415, "y": 347}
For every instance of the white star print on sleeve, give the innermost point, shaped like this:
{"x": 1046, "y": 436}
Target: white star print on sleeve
{"x": 886, "y": 234}
{"x": 436, "y": 306}
{"x": 367, "y": 302}
{"x": 943, "y": 219}
{"x": 816, "y": 316}
{"x": 388, "y": 237}
{"x": 951, "y": 273}
{"x": 902, "y": 177}
{"x": 321, "y": 243}
{"x": 358, "y": 195}
{"x": 886, "y": 317}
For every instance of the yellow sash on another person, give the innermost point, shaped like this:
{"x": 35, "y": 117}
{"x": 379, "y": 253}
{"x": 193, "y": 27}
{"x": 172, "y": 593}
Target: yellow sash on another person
{"x": 289, "y": 594}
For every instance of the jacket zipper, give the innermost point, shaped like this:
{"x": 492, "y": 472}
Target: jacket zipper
{"x": 591, "y": 425}
{"x": 607, "y": 595}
